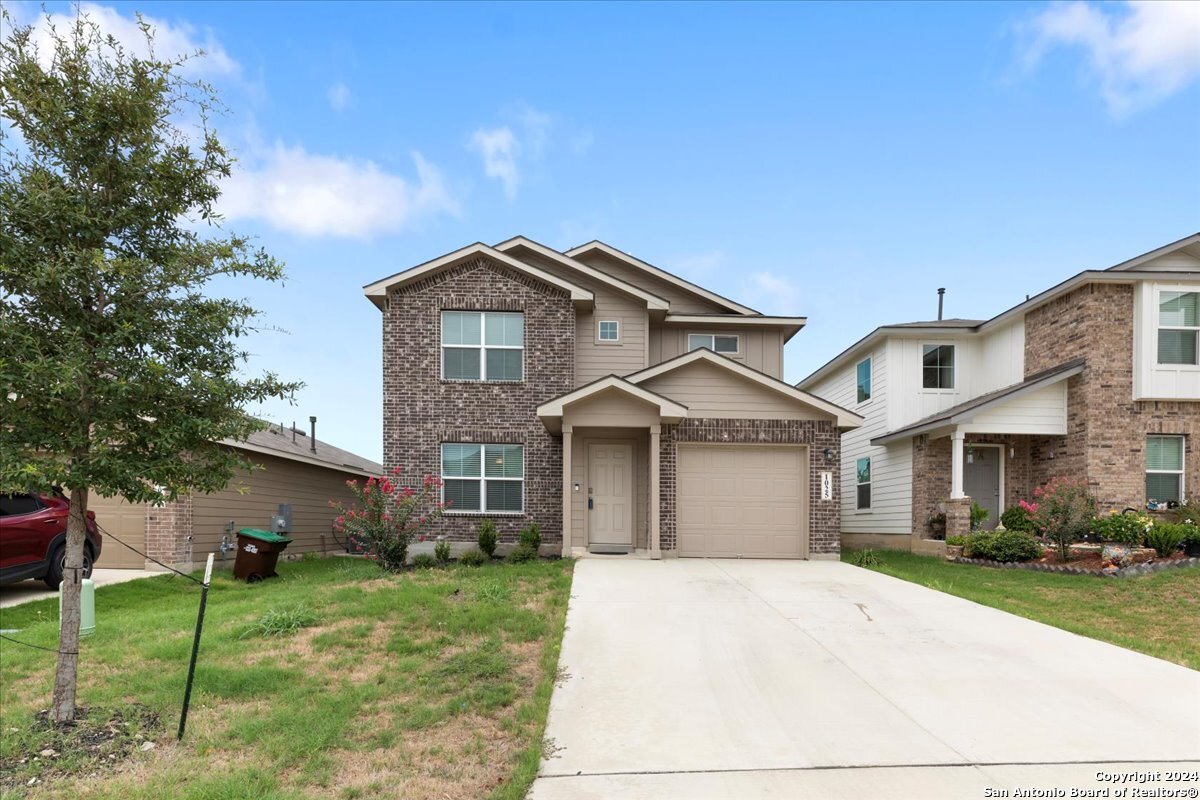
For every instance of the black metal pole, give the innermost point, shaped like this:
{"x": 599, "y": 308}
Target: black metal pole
{"x": 187, "y": 692}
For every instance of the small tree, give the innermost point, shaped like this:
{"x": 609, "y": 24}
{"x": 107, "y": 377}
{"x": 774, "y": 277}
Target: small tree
{"x": 1063, "y": 511}
{"x": 119, "y": 371}
{"x": 387, "y": 517}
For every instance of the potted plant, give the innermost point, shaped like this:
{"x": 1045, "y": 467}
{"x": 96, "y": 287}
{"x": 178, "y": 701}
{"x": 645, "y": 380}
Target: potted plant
{"x": 937, "y": 525}
{"x": 1191, "y": 540}
{"x": 979, "y": 515}
{"x": 954, "y": 546}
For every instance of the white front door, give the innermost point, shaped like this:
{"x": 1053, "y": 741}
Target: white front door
{"x": 610, "y": 494}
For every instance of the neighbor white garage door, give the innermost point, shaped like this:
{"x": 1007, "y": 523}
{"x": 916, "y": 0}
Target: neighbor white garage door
{"x": 741, "y": 501}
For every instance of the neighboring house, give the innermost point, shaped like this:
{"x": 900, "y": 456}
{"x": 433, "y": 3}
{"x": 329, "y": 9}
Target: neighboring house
{"x": 617, "y": 406}
{"x": 295, "y": 469}
{"x": 1098, "y": 378}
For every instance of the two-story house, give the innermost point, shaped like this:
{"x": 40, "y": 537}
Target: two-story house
{"x": 1097, "y": 377}
{"x": 616, "y": 405}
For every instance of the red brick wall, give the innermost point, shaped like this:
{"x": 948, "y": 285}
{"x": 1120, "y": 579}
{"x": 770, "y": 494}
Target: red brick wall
{"x": 169, "y": 533}
{"x": 420, "y": 410}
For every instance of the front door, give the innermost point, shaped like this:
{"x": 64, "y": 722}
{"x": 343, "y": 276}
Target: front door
{"x": 610, "y": 494}
{"x": 981, "y": 481}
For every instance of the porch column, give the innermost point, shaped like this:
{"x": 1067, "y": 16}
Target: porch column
{"x": 956, "y": 465}
{"x": 567, "y": 493}
{"x": 655, "y": 544}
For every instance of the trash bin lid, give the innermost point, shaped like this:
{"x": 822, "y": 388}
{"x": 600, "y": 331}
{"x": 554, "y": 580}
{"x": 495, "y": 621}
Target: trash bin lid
{"x": 263, "y": 536}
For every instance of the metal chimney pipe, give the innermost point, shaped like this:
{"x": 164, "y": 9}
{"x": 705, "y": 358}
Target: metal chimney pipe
{"x": 293, "y": 433}
{"x": 313, "y": 445}
{"x": 941, "y": 298}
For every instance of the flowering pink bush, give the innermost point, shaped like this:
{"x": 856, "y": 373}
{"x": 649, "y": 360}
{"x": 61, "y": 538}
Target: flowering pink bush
{"x": 1029, "y": 508}
{"x": 1063, "y": 511}
{"x": 387, "y": 517}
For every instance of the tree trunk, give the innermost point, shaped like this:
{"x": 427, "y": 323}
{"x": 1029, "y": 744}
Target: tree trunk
{"x": 62, "y": 707}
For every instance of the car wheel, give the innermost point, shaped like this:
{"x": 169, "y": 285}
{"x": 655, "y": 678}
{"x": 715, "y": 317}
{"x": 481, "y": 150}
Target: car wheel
{"x": 58, "y": 564}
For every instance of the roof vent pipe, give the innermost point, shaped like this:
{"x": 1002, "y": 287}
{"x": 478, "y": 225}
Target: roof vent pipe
{"x": 313, "y": 445}
{"x": 293, "y": 433}
{"x": 941, "y": 298}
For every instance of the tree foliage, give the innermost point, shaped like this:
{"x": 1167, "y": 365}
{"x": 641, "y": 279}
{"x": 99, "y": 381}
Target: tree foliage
{"x": 121, "y": 369}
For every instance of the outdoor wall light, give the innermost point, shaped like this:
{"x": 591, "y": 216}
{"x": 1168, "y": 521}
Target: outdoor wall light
{"x": 828, "y": 453}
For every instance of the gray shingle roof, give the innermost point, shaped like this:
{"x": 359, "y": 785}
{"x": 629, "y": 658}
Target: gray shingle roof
{"x": 281, "y": 441}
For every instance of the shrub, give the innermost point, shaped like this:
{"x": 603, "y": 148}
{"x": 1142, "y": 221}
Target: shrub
{"x": 1017, "y": 518}
{"x": 978, "y": 515}
{"x": 1191, "y": 533}
{"x": 1063, "y": 511}
{"x": 957, "y": 541}
{"x": 866, "y": 558}
{"x": 441, "y": 552}
{"x": 282, "y": 621}
{"x": 385, "y": 516}
{"x": 1122, "y": 528}
{"x": 521, "y": 553}
{"x": 531, "y": 537}
{"x": 424, "y": 561}
{"x": 474, "y": 558}
{"x": 1003, "y": 546}
{"x": 488, "y": 537}
{"x": 1165, "y": 537}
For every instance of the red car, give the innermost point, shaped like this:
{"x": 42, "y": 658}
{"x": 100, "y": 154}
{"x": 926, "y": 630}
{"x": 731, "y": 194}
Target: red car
{"x": 33, "y": 538}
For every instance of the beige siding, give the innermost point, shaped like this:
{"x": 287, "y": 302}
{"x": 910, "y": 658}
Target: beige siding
{"x": 610, "y": 409}
{"x": 757, "y": 348}
{"x": 307, "y": 488}
{"x": 712, "y": 392}
{"x": 122, "y": 520}
{"x": 682, "y": 301}
{"x": 580, "y": 439}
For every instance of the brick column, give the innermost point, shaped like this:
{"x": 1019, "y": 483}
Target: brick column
{"x": 169, "y": 533}
{"x": 958, "y": 516}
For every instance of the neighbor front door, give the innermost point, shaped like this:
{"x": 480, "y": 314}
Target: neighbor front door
{"x": 610, "y": 494}
{"x": 981, "y": 481}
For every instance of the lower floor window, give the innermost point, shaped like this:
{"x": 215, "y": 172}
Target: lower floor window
{"x": 864, "y": 483}
{"x": 1164, "y": 468}
{"x": 483, "y": 477}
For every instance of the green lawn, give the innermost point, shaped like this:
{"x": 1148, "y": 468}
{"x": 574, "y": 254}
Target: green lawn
{"x": 1156, "y": 614}
{"x": 427, "y": 684}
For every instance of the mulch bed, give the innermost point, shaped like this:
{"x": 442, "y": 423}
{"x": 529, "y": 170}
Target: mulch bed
{"x": 1091, "y": 560}
{"x": 1088, "y": 561}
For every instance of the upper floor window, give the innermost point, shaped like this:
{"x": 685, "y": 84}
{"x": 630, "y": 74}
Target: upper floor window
{"x": 483, "y": 345}
{"x": 715, "y": 342}
{"x": 937, "y": 366}
{"x": 864, "y": 380}
{"x": 1164, "y": 468}
{"x": 1178, "y": 327}
{"x": 863, "y": 468}
{"x": 610, "y": 330}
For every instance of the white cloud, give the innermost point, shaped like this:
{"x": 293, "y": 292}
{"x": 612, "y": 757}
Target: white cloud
{"x": 499, "y": 149}
{"x": 320, "y": 195}
{"x": 171, "y": 40}
{"x": 773, "y": 294}
{"x": 1140, "y": 51}
{"x": 339, "y": 96}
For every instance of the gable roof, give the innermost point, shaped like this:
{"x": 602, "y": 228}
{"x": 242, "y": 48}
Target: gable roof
{"x": 790, "y": 325}
{"x": 966, "y": 411}
{"x": 599, "y": 246}
{"x": 1125, "y": 272}
{"x": 277, "y": 441}
{"x": 551, "y": 411}
{"x": 845, "y": 419}
{"x": 376, "y": 292}
{"x": 653, "y": 301}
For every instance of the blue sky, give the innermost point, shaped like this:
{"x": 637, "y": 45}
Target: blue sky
{"x": 834, "y": 161}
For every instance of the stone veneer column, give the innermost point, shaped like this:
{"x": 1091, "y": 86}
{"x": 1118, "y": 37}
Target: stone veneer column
{"x": 169, "y": 533}
{"x": 958, "y": 516}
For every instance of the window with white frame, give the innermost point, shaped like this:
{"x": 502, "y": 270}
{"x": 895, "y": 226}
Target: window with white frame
{"x": 483, "y": 478}
{"x": 483, "y": 345}
{"x": 863, "y": 479}
{"x": 718, "y": 343}
{"x": 864, "y": 380}
{"x": 937, "y": 366}
{"x": 609, "y": 331}
{"x": 1178, "y": 327}
{"x": 1164, "y": 468}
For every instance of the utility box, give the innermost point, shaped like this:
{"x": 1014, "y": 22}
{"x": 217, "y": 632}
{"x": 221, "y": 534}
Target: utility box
{"x": 282, "y": 521}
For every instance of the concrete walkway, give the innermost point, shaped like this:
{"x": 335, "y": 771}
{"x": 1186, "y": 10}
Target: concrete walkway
{"x": 26, "y": 591}
{"x": 747, "y": 679}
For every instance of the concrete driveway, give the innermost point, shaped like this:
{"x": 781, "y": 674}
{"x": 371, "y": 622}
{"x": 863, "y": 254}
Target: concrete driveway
{"x": 746, "y": 679}
{"x": 15, "y": 594}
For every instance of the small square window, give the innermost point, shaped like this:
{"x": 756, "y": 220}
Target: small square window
{"x": 610, "y": 330}
{"x": 937, "y": 366}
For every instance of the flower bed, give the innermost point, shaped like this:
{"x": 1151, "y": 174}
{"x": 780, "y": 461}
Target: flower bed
{"x": 1087, "y": 561}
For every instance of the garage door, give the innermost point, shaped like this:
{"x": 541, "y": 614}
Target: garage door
{"x": 741, "y": 501}
{"x": 124, "y": 521}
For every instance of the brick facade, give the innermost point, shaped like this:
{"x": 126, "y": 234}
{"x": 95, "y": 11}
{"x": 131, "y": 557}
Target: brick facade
{"x": 1106, "y": 428}
{"x": 823, "y": 515}
{"x": 169, "y": 533}
{"x": 421, "y": 411}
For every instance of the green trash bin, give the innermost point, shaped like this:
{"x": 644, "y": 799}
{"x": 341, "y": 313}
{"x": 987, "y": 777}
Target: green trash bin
{"x": 257, "y": 553}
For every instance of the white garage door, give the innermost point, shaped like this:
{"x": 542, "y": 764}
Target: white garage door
{"x": 122, "y": 520}
{"x": 741, "y": 501}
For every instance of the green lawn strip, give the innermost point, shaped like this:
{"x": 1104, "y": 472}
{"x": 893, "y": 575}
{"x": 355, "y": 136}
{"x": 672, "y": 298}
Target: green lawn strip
{"x": 376, "y": 658}
{"x": 1156, "y": 614}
